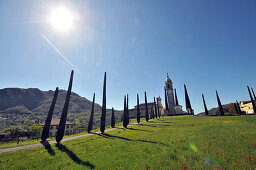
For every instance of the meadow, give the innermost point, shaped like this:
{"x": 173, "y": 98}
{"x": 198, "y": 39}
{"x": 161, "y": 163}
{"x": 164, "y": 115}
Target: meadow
{"x": 180, "y": 142}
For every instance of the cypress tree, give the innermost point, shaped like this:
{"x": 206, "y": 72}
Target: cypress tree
{"x": 205, "y": 107}
{"x": 155, "y": 107}
{"x": 188, "y": 105}
{"x": 166, "y": 101}
{"x": 113, "y": 118}
{"x": 138, "y": 110}
{"x": 127, "y": 110}
{"x": 46, "y": 129}
{"x": 176, "y": 98}
{"x": 220, "y": 105}
{"x": 125, "y": 114}
{"x": 238, "y": 107}
{"x": 253, "y": 104}
{"x": 103, "y": 114}
{"x": 237, "y": 112}
{"x": 146, "y": 114}
{"x": 91, "y": 116}
{"x": 158, "y": 111}
{"x": 61, "y": 129}
{"x": 253, "y": 94}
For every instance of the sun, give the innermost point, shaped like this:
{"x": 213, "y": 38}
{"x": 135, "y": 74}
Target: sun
{"x": 62, "y": 19}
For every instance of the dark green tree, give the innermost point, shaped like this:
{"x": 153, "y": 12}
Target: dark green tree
{"x": 176, "y": 98}
{"x": 166, "y": 101}
{"x": 91, "y": 116}
{"x": 46, "y": 129}
{"x": 205, "y": 107}
{"x": 253, "y": 103}
{"x": 103, "y": 114}
{"x": 146, "y": 103}
{"x": 62, "y": 124}
{"x": 220, "y": 105}
{"x": 125, "y": 114}
{"x": 138, "y": 109}
{"x": 113, "y": 122}
{"x": 127, "y": 110}
{"x": 155, "y": 107}
{"x": 188, "y": 105}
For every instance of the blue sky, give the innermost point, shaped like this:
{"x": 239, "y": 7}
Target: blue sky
{"x": 208, "y": 45}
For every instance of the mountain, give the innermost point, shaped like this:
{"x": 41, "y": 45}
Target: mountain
{"x": 228, "y": 109}
{"x": 33, "y": 104}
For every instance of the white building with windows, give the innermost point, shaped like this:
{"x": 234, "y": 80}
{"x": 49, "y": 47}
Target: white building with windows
{"x": 69, "y": 128}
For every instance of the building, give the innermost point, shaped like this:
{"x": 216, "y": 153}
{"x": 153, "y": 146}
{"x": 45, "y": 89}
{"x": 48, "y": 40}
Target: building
{"x": 173, "y": 104}
{"x": 69, "y": 127}
{"x": 246, "y": 106}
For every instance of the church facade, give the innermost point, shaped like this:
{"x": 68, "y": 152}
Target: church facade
{"x": 173, "y": 104}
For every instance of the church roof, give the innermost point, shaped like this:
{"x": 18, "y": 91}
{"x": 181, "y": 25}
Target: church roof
{"x": 168, "y": 80}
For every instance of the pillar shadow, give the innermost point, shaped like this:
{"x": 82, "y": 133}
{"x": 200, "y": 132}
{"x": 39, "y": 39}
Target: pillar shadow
{"x": 129, "y": 128}
{"x": 48, "y": 147}
{"x": 131, "y": 140}
{"x": 73, "y": 156}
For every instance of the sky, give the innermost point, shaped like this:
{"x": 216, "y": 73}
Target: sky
{"x": 207, "y": 45}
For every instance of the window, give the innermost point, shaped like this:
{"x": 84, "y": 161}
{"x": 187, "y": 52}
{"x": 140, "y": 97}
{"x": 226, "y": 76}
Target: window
{"x": 67, "y": 126}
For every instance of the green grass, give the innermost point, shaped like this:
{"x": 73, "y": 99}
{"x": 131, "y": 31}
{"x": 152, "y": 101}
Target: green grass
{"x": 182, "y": 142}
{"x": 10, "y": 144}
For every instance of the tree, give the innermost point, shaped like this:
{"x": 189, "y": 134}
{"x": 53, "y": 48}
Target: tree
{"x": 155, "y": 107}
{"x": 188, "y": 105}
{"x": 35, "y": 131}
{"x": 113, "y": 118}
{"x": 127, "y": 110}
{"x": 205, "y": 107}
{"x": 61, "y": 129}
{"x": 47, "y": 124}
{"x": 146, "y": 103}
{"x": 91, "y": 116}
{"x": 166, "y": 101}
{"x": 176, "y": 98}
{"x": 253, "y": 103}
{"x": 220, "y": 105}
{"x": 138, "y": 109}
{"x": 152, "y": 113}
{"x": 15, "y": 131}
{"x": 103, "y": 114}
{"x": 125, "y": 114}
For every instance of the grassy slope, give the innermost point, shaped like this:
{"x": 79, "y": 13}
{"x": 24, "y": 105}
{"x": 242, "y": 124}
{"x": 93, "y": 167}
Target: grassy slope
{"x": 170, "y": 142}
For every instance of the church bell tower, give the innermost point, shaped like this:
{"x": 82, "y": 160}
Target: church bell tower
{"x": 170, "y": 95}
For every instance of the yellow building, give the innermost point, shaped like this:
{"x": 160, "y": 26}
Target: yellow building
{"x": 246, "y": 106}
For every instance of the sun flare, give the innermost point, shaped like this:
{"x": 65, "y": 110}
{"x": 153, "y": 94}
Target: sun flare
{"x": 62, "y": 19}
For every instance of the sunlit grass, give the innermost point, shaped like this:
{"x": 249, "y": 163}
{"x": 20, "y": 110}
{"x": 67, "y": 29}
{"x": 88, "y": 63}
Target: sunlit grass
{"x": 186, "y": 142}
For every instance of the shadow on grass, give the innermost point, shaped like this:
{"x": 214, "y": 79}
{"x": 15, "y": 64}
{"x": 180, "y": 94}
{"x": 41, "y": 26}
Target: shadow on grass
{"x": 129, "y": 128}
{"x": 73, "y": 156}
{"x": 156, "y": 125}
{"x": 48, "y": 147}
{"x": 131, "y": 140}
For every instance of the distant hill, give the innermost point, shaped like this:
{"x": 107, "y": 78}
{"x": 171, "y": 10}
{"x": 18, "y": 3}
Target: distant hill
{"x": 228, "y": 108}
{"x": 35, "y": 104}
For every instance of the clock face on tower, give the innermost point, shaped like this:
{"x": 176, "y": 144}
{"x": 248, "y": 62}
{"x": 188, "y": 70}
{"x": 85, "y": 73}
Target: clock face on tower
{"x": 168, "y": 91}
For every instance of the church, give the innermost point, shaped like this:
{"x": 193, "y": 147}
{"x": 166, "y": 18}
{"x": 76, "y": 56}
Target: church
{"x": 172, "y": 104}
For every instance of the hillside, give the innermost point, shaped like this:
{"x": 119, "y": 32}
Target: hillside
{"x": 228, "y": 108}
{"x": 181, "y": 142}
{"x": 33, "y": 104}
